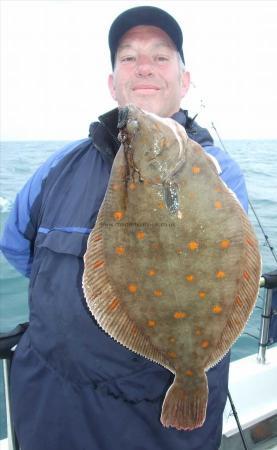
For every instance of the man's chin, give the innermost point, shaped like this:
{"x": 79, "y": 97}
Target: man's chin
{"x": 146, "y": 105}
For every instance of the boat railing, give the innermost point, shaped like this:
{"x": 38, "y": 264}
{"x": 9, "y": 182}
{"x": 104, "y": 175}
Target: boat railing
{"x": 269, "y": 314}
{"x": 8, "y": 342}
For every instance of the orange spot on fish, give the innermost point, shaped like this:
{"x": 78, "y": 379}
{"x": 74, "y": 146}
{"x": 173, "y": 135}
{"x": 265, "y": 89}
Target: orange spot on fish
{"x": 217, "y": 309}
{"x": 116, "y": 186}
{"x": 118, "y": 215}
{"x": 151, "y": 323}
{"x": 189, "y": 373}
{"x": 219, "y": 188}
{"x": 225, "y": 244}
{"x": 132, "y": 287}
{"x": 140, "y": 235}
{"x": 190, "y": 278}
{"x": 246, "y": 276}
{"x": 218, "y": 204}
{"x": 158, "y": 293}
{"x": 202, "y": 294}
{"x": 195, "y": 170}
{"x": 152, "y": 272}
{"x": 238, "y": 301}
{"x": 132, "y": 186}
{"x": 97, "y": 238}
{"x": 193, "y": 245}
{"x": 249, "y": 242}
{"x": 205, "y": 344}
{"x": 98, "y": 264}
{"x": 180, "y": 315}
{"x": 198, "y": 332}
{"x": 120, "y": 250}
{"x": 172, "y": 354}
{"x": 161, "y": 205}
{"x": 220, "y": 274}
{"x": 172, "y": 339}
{"x": 179, "y": 251}
{"x": 114, "y": 304}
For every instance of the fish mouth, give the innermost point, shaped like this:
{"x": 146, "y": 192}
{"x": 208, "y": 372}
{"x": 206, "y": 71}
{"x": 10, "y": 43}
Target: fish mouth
{"x": 127, "y": 118}
{"x": 122, "y": 117}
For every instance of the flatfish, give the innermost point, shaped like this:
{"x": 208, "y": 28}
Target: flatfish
{"x": 172, "y": 265}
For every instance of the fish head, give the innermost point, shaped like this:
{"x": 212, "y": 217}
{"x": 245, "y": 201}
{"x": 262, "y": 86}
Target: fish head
{"x": 153, "y": 144}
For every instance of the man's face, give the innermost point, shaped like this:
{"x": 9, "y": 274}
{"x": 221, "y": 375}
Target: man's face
{"x": 147, "y": 72}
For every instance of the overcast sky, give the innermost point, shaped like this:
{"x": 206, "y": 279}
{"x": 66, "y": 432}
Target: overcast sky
{"x": 55, "y": 63}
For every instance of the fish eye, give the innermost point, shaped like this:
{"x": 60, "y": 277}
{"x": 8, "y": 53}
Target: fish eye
{"x": 133, "y": 125}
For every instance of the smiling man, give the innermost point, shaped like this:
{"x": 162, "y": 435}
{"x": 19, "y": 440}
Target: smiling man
{"x": 74, "y": 387}
{"x": 149, "y": 72}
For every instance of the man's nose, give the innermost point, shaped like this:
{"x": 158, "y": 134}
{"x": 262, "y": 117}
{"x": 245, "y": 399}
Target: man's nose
{"x": 144, "y": 66}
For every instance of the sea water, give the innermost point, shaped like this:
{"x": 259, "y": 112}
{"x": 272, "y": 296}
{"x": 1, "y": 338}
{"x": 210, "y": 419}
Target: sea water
{"x": 19, "y": 160}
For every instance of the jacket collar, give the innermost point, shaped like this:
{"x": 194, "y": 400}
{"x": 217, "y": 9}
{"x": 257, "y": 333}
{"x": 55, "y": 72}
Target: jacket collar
{"x": 105, "y": 132}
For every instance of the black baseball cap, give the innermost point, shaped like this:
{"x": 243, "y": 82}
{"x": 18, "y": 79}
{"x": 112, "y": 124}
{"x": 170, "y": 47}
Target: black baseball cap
{"x": 145, "y": 15}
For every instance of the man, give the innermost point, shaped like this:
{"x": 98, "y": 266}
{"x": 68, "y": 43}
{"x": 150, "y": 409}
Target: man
{"x": 73, "y": 387}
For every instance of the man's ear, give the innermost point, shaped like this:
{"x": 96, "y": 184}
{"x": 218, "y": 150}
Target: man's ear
{"x": 185, "y": 80}
{"x": 111, "y": 86}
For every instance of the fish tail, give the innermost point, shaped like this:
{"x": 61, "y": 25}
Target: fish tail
{"x": 185, "y": 409}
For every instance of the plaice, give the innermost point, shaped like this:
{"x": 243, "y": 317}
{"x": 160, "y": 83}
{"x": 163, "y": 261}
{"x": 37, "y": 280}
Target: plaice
{"x": 172, "y": 266}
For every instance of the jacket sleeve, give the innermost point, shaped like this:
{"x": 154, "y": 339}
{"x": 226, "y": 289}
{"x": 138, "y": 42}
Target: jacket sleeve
{"x": 231, "y": 174}
{"x": 20, "y": 229}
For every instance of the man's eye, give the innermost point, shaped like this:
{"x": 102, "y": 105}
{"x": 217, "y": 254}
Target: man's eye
{"x": 127, "y": 59}
{"x": 162, "y": 58}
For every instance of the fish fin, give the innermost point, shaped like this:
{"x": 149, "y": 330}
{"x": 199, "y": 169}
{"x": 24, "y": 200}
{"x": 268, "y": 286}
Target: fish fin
{"x": 106, "y": 306}
{"x": 246, "y": 294}
{"x": 185, "y": 409}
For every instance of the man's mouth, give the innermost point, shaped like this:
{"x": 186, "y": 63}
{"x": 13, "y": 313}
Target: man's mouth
{"x": 145, "y": 87}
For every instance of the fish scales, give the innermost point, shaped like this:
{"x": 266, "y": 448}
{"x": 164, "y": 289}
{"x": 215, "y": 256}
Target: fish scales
{"x": 172, "y": 266}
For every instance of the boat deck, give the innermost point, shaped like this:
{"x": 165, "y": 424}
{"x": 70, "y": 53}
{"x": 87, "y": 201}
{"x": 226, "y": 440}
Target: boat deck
{"x": 253, "y": 389}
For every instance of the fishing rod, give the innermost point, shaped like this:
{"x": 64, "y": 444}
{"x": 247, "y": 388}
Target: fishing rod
{"x": 242, "y": 436}
{"x": 267, "y": 241}
{"x": 270, "y": 246}
{"x": 237, "y": 420}
{"x": 228, "y": 392}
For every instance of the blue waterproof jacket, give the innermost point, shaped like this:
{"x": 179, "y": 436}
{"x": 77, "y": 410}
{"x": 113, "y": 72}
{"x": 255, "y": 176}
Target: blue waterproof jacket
{"x": 74, "y": 387}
